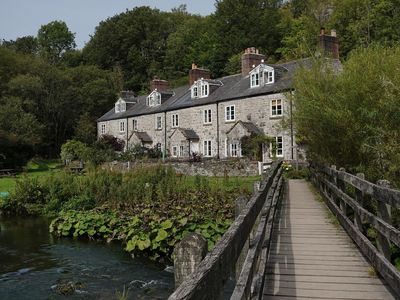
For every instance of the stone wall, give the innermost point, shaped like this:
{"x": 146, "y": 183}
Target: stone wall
{"x": 228, "y": 167}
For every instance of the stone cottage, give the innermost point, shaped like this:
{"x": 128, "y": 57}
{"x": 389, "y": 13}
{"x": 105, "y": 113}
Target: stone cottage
{"x": 210, "y": 116}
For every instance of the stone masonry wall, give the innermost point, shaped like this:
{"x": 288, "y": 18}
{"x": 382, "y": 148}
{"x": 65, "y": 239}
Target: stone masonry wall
{"x": 220, "y": 168}
{"x": 254, "y": 109}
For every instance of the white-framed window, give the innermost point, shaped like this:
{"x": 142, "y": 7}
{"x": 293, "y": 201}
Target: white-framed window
{"x": 135, "y": 125}
{"x": 269, "y": 78}
{"x": 235, "y": 150}
{"x": 122, "y": 126}
{"x": 276, "y": 107}
{"x": 158, "y": 123}
{"x": 230, "y": 113}
{"x": 279, "y": 146}
{"x": 181, "y": 150}
{"x": 158, "y": 146}
{"x": 255, "y": 80}
{"x": 200, "y": 89}
{"x": 207, "y": 116}
{"x": 262, "y": 74}
{"x": 195, "y": 93}
{"x": 207, "y": 150}
{"x": 174, "y": 151}
{"x": 175, "y": 120}
{"x": 154, "y": 99}
{"x": 102, "y": 128}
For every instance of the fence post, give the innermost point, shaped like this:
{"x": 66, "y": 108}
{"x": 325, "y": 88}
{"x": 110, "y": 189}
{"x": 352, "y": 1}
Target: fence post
{"x": 240, "y": 204}
{"x": 188, "y": 254}
{"x": 333, "y": 179}
{"x": 360, "y": 199}
{"x": 341, "y": 185}
{"x": 385, "y": 214}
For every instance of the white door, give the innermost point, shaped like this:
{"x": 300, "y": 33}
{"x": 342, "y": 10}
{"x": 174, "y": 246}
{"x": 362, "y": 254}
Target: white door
{"x": 194, "y": 147}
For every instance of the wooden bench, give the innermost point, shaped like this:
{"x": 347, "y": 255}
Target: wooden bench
{"x": 7, "y": 173}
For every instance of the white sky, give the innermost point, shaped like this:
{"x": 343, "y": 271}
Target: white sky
{"x": 24, "y": 17}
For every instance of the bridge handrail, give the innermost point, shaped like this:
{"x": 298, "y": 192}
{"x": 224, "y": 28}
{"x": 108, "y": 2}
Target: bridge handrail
{"x": 214, "y": 270}
{"x": 351, "y": 213}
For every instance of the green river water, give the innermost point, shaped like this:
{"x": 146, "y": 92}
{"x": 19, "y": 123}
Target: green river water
{"x": 35, "y": 265}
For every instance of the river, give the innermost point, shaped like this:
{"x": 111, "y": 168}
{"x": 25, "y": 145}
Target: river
{"x": 35, "y": 265}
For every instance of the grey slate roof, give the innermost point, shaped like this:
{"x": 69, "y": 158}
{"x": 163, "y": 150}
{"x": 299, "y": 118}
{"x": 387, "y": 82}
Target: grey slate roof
{"x": 190, "y": 134}
{"x": 233, "y": 87}
{"x": 143, "y": 136}
{"x": 249, "y": 126}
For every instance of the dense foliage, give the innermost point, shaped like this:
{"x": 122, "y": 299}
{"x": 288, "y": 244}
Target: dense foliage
{"x": 352, "y": 118}
{"x": 149, "y": 209}
{"x": 56, "y": 92}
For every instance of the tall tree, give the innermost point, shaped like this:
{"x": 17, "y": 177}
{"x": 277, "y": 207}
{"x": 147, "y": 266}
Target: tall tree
{"x": 352, "y": 118}
{"x": 241, "y": 24}
{"x": 362, "y": 22}
{"x": 54, "y": 39}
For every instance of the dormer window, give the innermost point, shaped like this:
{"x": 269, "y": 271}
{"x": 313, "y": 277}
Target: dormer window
{"x": 200, "y": 89}
{"x": 120, "y": 106}
{"x": 262, "y": 74}
{"x": 154, "y": 99}
{"x": 255, "y": 80}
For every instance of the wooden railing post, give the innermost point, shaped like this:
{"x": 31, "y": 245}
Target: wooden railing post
{"x": 240, "y": 204}
{"x": 360, "y": 199}
{"x": 385, "y": 214}
{"x": 333, "y": 178}
{"x": 341, "y": 185}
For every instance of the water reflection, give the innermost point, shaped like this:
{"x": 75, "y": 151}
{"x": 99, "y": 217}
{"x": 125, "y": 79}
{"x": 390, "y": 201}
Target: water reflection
{"x": 33, "y": 265}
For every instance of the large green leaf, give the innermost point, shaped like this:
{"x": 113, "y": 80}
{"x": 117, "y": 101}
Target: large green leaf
{"x": 161, "y": 235}
{"x": 166, "y": 224}
{"x": 143, "y": 244}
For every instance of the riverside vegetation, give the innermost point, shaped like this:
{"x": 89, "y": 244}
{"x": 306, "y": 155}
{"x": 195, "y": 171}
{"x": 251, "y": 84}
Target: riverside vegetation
{"x": 149, "y": 210}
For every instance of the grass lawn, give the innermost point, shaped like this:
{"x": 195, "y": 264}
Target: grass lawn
{"x": 34, "y": 168}
{"x": 39, "y": 168}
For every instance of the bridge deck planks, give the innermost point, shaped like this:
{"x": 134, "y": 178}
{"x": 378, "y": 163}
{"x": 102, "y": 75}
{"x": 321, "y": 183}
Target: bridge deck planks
{"x": 313, "y": 258}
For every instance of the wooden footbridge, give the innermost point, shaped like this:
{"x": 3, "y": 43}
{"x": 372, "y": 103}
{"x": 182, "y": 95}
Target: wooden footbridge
{"x": 290, "y": 243}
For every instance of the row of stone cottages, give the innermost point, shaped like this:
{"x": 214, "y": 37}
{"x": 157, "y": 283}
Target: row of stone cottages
{"x": 210, "y": 116}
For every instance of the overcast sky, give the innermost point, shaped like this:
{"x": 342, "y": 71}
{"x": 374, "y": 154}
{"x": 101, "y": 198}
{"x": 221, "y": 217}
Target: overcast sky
{"x": 24, "y": 17}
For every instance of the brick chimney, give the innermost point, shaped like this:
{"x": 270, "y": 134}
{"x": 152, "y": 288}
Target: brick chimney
{"x": 160, "y": 85}
{"x": 197, "y": 73}
{"x": 250, "y": 59}
{"x": 329, "y": 44}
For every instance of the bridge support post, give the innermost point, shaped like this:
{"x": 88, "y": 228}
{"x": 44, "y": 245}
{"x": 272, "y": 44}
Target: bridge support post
{"x": 384, "y": 212}
{"x": 360, "y": 199}
{"x": 188, "y": 254}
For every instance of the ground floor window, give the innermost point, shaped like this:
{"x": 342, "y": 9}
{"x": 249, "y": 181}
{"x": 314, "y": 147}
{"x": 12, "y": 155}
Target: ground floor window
{"x": 103, "y": 128}
{"x": 181, "y": 151}
{"x": 207, "y": 148}
{"x": 234, "y": 150}
{"x": 174, "y": 151}
{"x": 279, "y": 146}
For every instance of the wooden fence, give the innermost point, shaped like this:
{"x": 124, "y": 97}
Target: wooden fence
{"x": 359, "y": 205}
{"x": 208, "y": 281}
